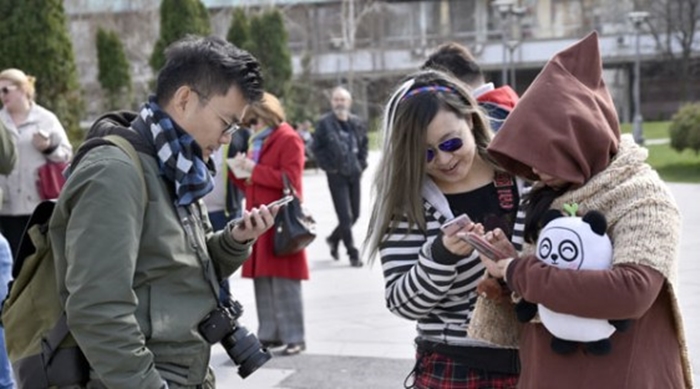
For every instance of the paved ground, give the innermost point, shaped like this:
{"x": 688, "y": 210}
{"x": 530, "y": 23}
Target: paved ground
{"x": 354, "y": 342}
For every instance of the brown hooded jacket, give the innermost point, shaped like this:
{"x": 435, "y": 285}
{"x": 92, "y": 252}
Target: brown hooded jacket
{"x": 566, "y": 126}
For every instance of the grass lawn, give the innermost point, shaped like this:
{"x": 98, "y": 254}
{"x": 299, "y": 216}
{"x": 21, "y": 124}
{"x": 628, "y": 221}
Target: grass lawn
{"x": 671, "y": 165}
{"x": 651, "y": 130}
{"x": 674, "y": 166}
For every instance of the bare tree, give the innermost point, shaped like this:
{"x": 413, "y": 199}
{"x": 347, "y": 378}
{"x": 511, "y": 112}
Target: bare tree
{"x": 352, "y": 14}
{"x": 674, "y": 25}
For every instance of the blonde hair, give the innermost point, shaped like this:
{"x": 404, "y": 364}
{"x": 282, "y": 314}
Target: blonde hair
{"x": 22, "y": 80}
{"x": 268, "y": 110}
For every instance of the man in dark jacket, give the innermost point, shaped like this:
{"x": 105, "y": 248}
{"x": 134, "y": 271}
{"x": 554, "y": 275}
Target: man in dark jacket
{"x": 340, "y": 148}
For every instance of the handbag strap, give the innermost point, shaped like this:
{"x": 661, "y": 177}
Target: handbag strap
{"x": 288, "y": 188}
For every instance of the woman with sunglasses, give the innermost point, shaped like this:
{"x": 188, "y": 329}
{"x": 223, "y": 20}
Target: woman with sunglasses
{"x": 434, "y": 168}
{"x": 275, "y": 150}
{"x": 39, "y": 137}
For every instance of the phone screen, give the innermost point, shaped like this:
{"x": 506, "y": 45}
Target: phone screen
{"x": 284, "y": 200}
{"x": 451, "y": 227}
{"x": 238, "y": 222}
{"x": 484, "y": 247}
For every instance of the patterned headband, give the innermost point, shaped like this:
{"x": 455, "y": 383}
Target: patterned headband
{"x": 427, "y": 89}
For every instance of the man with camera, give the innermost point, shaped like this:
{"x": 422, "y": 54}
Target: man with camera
{"x": 138, "y": 267}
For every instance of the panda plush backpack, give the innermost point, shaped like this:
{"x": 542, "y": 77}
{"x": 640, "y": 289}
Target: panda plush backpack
{"x": 574, "y": 243}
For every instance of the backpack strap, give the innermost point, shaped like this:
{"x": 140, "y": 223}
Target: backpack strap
{"x": 129, "y": 149}
{"x": 50, "y": 343}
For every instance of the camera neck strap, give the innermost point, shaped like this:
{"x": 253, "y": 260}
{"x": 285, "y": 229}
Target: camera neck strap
{"x": 191, "y": 219}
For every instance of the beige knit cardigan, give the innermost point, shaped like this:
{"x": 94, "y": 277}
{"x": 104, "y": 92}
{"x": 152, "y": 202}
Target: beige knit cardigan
{"x": 643, "y": 223}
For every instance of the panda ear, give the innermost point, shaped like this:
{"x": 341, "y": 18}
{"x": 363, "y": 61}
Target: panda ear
{"x": 549, "y": 216}
{"x": 597, "y": 221}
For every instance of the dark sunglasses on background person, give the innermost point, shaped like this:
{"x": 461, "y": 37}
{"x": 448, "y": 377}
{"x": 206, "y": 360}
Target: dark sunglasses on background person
{"x": 448, "y": 146}
{"x": 7, "y": 89}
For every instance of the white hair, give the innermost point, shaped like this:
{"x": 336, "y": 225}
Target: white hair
{"x": 344, "y": 91}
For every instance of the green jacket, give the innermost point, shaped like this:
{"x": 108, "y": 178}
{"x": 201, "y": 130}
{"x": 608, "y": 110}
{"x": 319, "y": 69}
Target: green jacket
{"x": 133, "y": 287}
{"x": 8, "y": 153}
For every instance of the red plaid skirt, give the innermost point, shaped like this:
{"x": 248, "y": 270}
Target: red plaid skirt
{"x": 435, "y": 371}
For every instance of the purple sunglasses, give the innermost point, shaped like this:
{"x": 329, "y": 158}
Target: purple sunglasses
{"x": 448, "y": 146}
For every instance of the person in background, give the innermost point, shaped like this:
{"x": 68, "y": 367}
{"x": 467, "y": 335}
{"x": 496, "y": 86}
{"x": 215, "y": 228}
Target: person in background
{"x": 225, "y": 202}
{"x": 304, "y": 131}
{"x": 39, "y": 137}
{"x": 136, "y": 265}
{"x": 8, "y": 159}
{"x": 572, "y": 147}
{"x": 340, "y": 145}
{"x": 459, "y": 61}
{"x": 275, "y": 150}
{"x": 435, "y": 168}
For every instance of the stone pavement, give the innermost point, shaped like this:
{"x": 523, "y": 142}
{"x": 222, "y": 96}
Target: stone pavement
{"x": 352, "y": 339}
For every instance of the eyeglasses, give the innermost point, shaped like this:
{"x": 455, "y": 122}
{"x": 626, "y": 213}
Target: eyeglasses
{"x": 7, "y": 89}
{"x": 231, "y": 127}
{"x": 448, "y": 146}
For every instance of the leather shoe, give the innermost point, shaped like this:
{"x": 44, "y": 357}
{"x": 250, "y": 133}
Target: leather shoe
{"x": 334, "y": 248}
{"x": 294, "y": 349}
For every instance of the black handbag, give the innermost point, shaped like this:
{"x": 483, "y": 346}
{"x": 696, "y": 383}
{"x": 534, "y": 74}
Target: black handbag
{"x": 295, "y": 228}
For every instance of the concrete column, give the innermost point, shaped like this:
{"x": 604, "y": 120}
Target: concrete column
{"x": 481, "y": 19}
{"x": 445, "y": 28}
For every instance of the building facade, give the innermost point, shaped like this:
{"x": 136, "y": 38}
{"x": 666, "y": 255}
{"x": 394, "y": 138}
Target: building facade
{"x": 370, "y": 44}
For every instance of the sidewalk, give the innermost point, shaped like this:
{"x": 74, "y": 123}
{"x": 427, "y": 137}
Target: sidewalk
{"x": 353, "y": 342}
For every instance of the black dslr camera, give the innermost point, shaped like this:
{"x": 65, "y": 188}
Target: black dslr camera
{"x": 242, "y": 347}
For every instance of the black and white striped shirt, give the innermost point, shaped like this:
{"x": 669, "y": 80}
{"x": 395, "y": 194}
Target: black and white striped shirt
{"x": 440, "y": 297}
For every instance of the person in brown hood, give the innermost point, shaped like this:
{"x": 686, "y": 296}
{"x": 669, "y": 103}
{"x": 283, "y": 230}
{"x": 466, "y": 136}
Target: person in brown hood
{"x": 564, "y": 133}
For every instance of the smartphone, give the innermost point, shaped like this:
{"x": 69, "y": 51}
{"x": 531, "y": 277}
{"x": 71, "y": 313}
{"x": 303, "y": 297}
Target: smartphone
{"x": 451, "y": 227}
{"x": 483, "y": 246}
{"x": 281, "y": 202}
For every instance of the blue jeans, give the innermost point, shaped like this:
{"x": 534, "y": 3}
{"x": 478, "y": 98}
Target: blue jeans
{"x": 6, "y": 381}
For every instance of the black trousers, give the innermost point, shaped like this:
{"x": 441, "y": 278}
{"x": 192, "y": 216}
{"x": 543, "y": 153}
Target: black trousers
{"x": 12, "y": 227}
{"x": 345, "y": 192}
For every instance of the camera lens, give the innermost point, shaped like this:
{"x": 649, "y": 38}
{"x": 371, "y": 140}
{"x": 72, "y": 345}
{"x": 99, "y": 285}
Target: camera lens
{"x": 245, "y": 350}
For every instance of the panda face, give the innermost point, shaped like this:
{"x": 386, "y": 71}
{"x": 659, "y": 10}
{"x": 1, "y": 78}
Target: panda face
{"x": 562, "y": 247}
{"x": 570, "y": 243}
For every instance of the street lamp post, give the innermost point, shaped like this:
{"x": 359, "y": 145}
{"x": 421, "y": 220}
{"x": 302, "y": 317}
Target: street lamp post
{"x": 637, "y": 18}
{"x": 503, "y": 7}
{"x": 506, "y": 9}
{"x": 512, "y": 45}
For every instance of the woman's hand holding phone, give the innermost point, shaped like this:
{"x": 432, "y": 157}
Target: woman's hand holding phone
{"x": 453, "y": 242}
{"x": 498, "y": 253}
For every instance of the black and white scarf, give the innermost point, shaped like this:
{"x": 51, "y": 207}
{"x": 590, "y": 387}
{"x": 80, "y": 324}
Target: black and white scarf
{"x": 179, "y": 156}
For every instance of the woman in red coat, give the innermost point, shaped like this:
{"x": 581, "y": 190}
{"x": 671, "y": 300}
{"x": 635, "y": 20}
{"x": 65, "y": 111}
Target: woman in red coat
{"x": 275, "y": 149}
